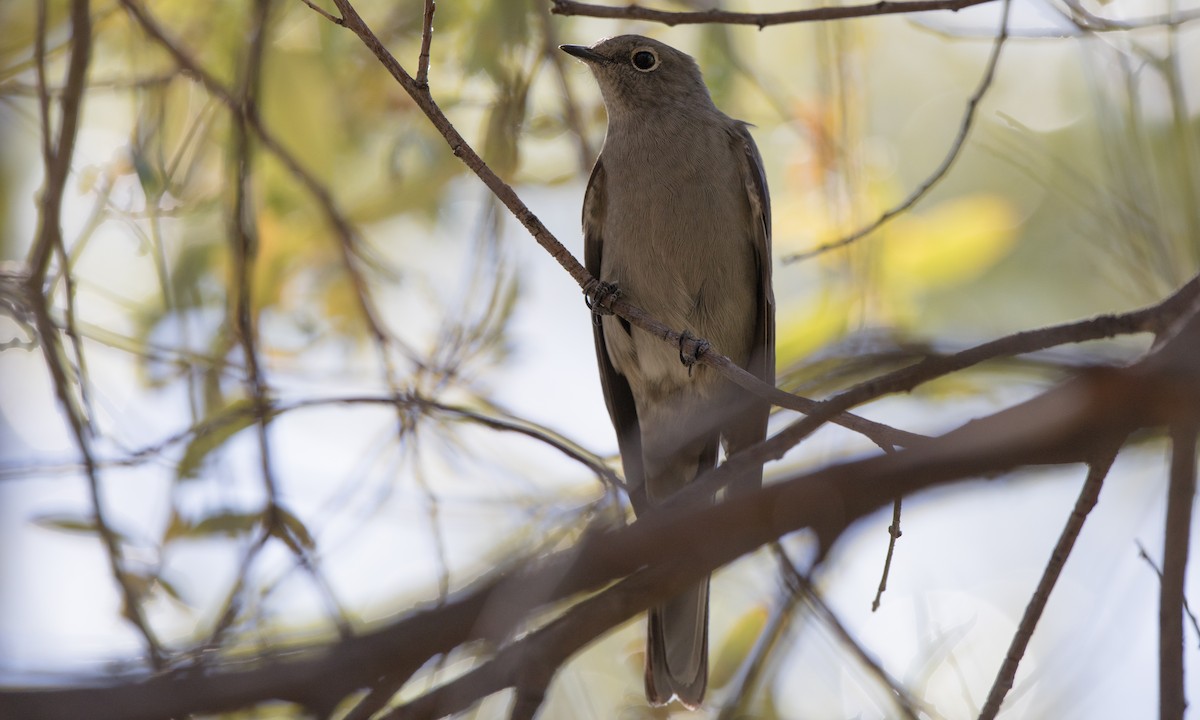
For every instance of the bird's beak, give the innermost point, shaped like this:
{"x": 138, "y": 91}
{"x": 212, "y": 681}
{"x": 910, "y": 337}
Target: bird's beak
{"x": 584, "y": 53}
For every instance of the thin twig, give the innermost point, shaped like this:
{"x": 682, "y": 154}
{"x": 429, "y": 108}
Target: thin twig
{"x": 960, "y": 139}
{"x": 244, "y": 250}
{"x": 1089, "y": 494}
{"x": 1187, "y": 608}
{"x": 426, "y": 39}
{"x": 1181, "y": 495}
{"x": 761, "y": 20}
{"x": 322, "y": 12}
{"x": 893, "y": 535}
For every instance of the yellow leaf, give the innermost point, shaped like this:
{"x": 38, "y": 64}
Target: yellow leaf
{"x": 950, "y": 244}
{"x": 737, "y": 646}
{"x": 803, "y": 327}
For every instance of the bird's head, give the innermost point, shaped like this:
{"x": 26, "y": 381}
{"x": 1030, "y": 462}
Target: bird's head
{"x": 637, "y": 74}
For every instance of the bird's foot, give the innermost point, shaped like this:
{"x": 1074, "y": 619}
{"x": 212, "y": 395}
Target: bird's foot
{"x": 690, "y": 349}
{"x": 598, "y": 296}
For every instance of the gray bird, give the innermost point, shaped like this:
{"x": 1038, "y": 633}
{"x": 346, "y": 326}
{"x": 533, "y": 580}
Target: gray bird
{"x": 677, "y": 218}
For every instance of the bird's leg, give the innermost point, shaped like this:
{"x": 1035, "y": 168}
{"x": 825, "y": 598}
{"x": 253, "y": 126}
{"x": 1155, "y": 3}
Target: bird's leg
{"x": 598, "y": 296}
{"x": 690, "y": 349}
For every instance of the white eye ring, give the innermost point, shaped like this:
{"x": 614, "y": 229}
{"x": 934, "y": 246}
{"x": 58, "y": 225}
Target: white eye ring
{"x": 638, "y": 59}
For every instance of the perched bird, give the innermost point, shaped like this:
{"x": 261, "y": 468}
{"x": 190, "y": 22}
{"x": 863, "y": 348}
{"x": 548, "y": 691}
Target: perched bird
{"x": 676, "y": 218}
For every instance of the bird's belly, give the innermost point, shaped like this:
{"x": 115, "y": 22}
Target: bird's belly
{"x": 694, "y": 269}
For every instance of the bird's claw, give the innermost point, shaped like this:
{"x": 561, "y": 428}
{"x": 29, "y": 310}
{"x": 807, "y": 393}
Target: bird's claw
{"x": 690, "y": 349}
{"x": 598, "y": 296}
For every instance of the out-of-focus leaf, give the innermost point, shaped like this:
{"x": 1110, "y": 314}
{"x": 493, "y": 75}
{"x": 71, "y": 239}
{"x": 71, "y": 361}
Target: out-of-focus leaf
{"x": 225, "y": 523}
{"x": 300, "y": 104}
{"x": 737, "y": 646}
{"x": 84, "y": 524}
{"x": 507, "y": 23}
{"x": 293, "y": 531}
{"x": 807, "y": 326}
{"x": 171, "y": 590}
{"x": 717, "y": 60}
{"x": 222, "y": 425}
{"x": 950, "y": 244}
{"x": 504, "y": 125}
{"x": 19, "y": 22}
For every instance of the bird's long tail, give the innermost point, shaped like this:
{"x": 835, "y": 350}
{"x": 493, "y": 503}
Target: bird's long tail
{"x": 677, "y": 648}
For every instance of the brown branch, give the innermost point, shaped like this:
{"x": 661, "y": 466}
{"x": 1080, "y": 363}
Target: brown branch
{"x": 244, "y": 240}
{"x": 1181, "y": 496}
{"x": 426, "y": 38}
{"x": 660, "y": 554}
{"x": 1186, "y": 606}
{"x": 322, "y": 12}
{"x": 761, "y": 20}
{"x": 1152, "y": 319}
{"x": 893, "y": 535}
{"x": 960, "y": 140}
{"x": 1088, "y": 496}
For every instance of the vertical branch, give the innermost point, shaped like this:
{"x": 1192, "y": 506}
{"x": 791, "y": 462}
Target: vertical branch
{"x": 426, "y": 39}
{"x": 1181, "y": 493}
{"x": 893, "y": 535}
{"x": 57, "y": 154}
{"x": 244, "y": 239}
{"x": 1088, "y": 496}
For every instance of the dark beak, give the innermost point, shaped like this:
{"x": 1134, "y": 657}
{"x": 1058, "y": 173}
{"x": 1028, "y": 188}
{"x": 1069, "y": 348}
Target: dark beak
{"x": 584, "y": 53}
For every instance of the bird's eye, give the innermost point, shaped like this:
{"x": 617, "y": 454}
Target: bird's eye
{"x": 644, "y": 59}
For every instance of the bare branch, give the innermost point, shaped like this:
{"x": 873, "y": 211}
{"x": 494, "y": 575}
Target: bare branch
{"x": 893, "y": 535}
{"x": 426, "y": 39}
{"x": 1186, "y": 606}
{"x": 1088, "y": 496}
{"x": 1181, "y": 496}
{"x": 322, "y": 12}
{"x": 761, "y": 20}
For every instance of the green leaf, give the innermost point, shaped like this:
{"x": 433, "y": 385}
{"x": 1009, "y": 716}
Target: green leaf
{"x": 293, "y": 531}
{"x": 212, "y": 434}
{"x": 85, "y": 524}
{"x": 737, "y": 646}
{"x": 226, "y": 523}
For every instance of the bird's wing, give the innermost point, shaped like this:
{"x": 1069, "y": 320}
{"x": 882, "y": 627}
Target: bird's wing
{"x": 748, "y": 426}
{"x": 762, "y": 362}
{"x": 617, "y": 395}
